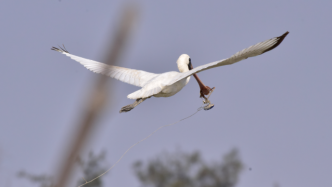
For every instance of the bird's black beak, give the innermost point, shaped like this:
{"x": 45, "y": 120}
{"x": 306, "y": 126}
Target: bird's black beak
{"x": 190, "y": 66}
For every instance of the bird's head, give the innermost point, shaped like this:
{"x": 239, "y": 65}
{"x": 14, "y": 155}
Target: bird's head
{"x": 184, "y": 63}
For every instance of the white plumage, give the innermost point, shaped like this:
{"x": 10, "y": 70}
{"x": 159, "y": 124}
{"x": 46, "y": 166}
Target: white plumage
{"x": 169, "y": 83}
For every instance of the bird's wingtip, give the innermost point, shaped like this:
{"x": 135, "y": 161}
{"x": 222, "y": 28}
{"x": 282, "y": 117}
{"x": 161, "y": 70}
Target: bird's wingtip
{"x": 283, "y": 36}
{"x": 279, "y": 40}
{"x": 60, "y": 49}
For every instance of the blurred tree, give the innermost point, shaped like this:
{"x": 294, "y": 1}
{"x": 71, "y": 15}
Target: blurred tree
{"x": 42, "y": 180}
{"x": 93, "y": 166}
{"x": 189, "y": 170}
{"x": 168, "y": 170}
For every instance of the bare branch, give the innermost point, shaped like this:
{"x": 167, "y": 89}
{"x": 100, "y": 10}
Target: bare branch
{"x": 98, "y": 98}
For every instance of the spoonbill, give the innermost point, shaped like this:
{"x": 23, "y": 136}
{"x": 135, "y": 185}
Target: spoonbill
{"x": 169, "y": 83}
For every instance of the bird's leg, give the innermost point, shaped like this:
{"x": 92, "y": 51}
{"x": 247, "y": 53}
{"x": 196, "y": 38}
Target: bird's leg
{"x": 132, "y": 106}
{"x": 205, "y": 90}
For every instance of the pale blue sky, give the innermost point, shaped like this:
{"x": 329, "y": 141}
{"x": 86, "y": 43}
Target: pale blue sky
{"x": 275, "y": 108}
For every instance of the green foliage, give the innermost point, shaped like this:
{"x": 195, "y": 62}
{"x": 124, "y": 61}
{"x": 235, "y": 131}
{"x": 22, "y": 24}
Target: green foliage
{"x": 93, "y": 167}
{"x": 189, "y": 170}
{"x": 42, "y": 180}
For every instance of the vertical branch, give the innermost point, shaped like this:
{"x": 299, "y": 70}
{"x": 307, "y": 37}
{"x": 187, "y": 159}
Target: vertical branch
{"x": 97, "y": 99}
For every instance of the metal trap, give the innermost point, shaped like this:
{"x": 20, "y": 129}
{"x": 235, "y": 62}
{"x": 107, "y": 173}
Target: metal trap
{"x": 207, "y": 104}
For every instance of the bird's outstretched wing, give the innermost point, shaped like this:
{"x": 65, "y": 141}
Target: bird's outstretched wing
{"x": 130, "y": 76}
{"x": 251, "y": 51}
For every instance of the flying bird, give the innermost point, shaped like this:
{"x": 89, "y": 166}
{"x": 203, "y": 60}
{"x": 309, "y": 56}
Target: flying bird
{"x": 169, "y": 83}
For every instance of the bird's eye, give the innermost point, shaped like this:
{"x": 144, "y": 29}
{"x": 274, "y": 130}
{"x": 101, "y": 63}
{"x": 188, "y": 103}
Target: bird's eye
{"x": 189, "y": 60}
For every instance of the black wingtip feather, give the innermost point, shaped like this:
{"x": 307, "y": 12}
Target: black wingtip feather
{"x": 60, "y": 50}
{"x": 280, "y": 39}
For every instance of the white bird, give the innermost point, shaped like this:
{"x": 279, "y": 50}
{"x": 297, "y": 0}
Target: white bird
{"x": 169, "y": 83}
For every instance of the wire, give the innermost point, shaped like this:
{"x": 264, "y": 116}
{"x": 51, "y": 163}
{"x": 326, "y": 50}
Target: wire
{"x": 199, "y": 109}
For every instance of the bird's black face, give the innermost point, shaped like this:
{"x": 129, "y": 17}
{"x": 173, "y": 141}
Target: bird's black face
{"x": 190, "y": 66}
